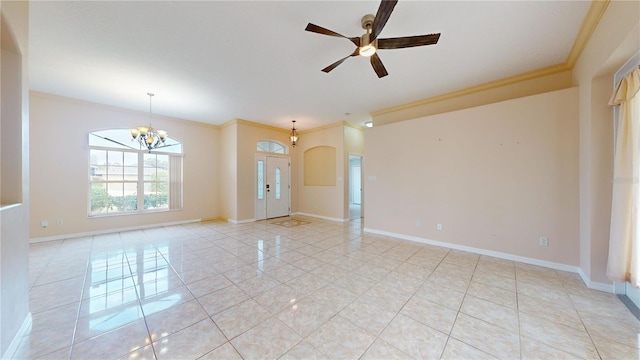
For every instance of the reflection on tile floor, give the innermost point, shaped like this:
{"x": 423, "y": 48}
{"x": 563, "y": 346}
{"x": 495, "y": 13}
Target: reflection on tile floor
{"x": 216, "y": 290}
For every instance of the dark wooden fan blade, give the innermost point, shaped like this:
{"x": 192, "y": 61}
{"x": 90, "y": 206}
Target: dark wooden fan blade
{"x": 320, "y": 30}
{"x": 408, "y": 41}
{"x": 378, "y": 67}
{"x": 335, "y": 64}
{"x": 384, "y": 11}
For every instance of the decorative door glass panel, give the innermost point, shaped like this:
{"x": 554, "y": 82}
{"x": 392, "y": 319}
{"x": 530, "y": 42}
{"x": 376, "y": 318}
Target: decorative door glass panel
{"x": 278, "y": 184}
{"x": 260, "y": 179}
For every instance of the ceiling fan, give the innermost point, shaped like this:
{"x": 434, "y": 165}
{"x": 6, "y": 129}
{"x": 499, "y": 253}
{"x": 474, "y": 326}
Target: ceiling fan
{"x": 368, "y": 44}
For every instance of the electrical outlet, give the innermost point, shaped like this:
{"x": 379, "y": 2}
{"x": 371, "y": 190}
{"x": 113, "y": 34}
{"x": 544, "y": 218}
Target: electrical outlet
{"x": 418, "y": 223}
{"x": 439, "y": 227}
{"x": 59, "y": 222}
{"x": 44, "y": 223}
{"x": 544, "y": 241}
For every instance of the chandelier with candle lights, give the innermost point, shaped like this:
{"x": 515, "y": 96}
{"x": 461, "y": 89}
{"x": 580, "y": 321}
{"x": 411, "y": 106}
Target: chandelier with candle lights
{"x": 147, "y": 136}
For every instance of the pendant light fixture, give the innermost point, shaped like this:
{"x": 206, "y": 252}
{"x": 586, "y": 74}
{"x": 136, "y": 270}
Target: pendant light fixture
{"x": 147, "y": 136}
{"x": 293, "y": 136}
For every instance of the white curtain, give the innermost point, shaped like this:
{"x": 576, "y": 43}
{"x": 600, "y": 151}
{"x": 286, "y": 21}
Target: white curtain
{"x": 624, "y": 240}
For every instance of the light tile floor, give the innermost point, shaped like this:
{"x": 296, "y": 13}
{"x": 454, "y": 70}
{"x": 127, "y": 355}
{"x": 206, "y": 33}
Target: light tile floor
{"x": 321, "y": 290}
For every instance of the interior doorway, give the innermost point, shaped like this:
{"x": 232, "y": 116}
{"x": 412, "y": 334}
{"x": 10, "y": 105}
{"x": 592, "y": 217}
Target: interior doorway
{"x": 355, "y": 187}
{"x": 273, "y": 187}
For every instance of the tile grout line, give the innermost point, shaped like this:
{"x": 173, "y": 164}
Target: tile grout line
{"x": 400, "y": 309}
{"x": 75, "y": 326}
{"x": 144, "y": 317}
{"x": 584, "y": 326}
{"x": 558, "y": 323}
{"x": 518, "y": 310}
{"x": 460, "y": 311}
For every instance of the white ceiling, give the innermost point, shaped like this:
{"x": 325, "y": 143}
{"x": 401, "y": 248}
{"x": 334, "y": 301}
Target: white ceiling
{"x": 212, "y": 61}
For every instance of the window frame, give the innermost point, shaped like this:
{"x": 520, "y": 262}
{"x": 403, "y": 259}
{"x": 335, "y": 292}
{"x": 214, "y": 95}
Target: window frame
{"x": 271, "y": 145}
{"x": 174, "y": 171}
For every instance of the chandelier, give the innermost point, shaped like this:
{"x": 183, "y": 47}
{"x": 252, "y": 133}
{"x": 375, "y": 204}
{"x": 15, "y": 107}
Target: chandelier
{"x": 293, "y": 136}
{"x": 147, "y": 136}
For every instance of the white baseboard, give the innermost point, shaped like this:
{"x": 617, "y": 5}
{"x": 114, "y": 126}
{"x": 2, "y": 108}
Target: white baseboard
{"x": 631, "y": 292}
{"x": 110, "y": 231}
{"x": 233, "y": 221}
{"x": 17, "y": 339}
{"x": 610, "y": 288}
{"x": 584, "y": 277}
{"x": 320, "y": 217}
{"x": 501, "y": 255}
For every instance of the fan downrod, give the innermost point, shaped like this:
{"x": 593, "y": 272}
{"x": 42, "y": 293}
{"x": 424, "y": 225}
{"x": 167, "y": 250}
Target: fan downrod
{"x": 367, "y": 22}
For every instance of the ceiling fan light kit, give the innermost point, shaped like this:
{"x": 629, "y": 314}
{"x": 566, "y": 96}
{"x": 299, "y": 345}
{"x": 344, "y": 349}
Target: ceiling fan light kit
{"x": 367, "y": 47}
{"x": 368, "y": 44}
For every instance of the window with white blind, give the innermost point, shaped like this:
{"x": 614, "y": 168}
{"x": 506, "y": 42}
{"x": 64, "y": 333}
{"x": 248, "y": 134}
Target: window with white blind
{"x": 124, "y": 179}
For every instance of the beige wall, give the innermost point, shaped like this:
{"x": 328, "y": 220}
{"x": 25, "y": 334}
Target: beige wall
{"x": 11, "y": 124}
{"x": 601, "y": 158}
{"x": 228, "y": 176}
{"x": 614, "y": 41}
{"x": 14, "y": 218}
{"x": 324, "y": 201}
{"x": 59, "y": 162}
{"x": 497, "y": 177}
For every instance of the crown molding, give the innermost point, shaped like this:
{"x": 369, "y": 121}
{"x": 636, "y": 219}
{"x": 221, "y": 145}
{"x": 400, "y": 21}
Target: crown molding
{"x": 228, "y": 123}
{"x": 254, "y": 124}
{"x": 550, "y": 70}
{"x": 354, "y": 126}
{"x": 263, "y": 126}
{"x": 589, "y": 24}
{"x": 324, "y": 127}
{"x": 332, "y": 125}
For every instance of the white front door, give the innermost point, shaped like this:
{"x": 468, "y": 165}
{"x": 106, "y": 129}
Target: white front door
{"x": 272, "y": 190}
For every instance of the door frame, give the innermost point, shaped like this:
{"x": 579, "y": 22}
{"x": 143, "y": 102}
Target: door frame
{"x": 265, "y": 157}
{"x": 349, "y": 194}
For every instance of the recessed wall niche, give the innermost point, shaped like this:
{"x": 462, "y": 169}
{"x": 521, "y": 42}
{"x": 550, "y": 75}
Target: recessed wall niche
{"x": 320, "y": 166}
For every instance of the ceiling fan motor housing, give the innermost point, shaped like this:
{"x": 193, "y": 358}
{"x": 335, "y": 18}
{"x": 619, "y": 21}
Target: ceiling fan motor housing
{"x": 367, "y": 22}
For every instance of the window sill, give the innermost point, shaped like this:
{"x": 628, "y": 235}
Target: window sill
{"x": 143, "y": 212}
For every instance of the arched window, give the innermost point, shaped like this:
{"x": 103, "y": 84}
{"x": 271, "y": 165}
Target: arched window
{"x": 271, "y": 146}
{"x": 125, "y": 178}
